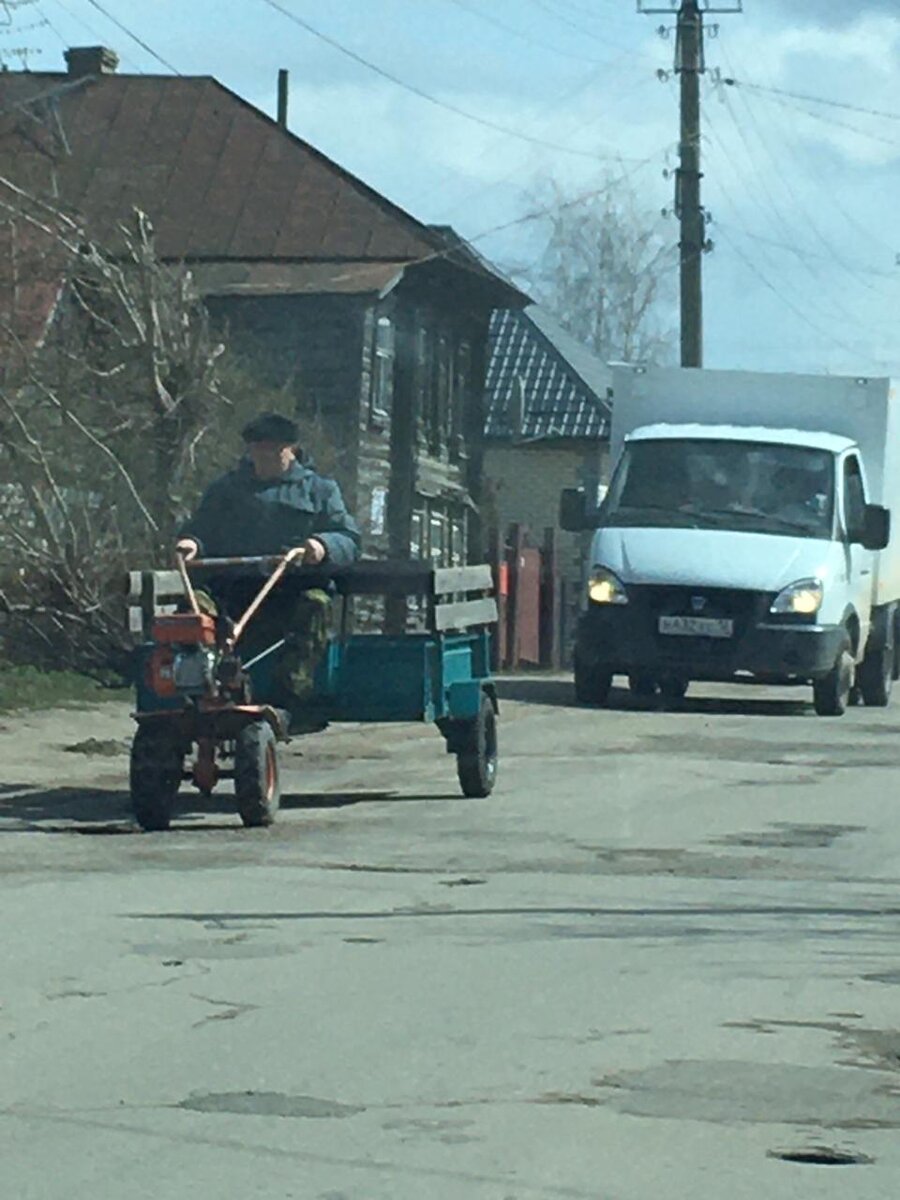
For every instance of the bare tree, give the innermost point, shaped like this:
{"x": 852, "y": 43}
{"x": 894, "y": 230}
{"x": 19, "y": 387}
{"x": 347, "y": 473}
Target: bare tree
{"x": 108, "y": 391}
{"x": 607, "y": 272}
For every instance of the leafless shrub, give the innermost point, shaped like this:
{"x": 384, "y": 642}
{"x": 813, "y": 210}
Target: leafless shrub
{"x": 108, "y": 393}
{"x": 607, "y": 272}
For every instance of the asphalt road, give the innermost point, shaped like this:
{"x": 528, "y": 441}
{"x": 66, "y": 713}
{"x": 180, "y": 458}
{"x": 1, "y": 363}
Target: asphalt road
{"x": 663, "y": 954}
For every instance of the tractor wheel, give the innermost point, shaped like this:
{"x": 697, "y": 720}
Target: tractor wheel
{"x": 476, "y": 764}
{"x": 157, "y": 762}
{"x": 257, "y": 787}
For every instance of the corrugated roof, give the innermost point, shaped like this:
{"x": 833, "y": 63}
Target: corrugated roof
{"x": 541, "y": 382}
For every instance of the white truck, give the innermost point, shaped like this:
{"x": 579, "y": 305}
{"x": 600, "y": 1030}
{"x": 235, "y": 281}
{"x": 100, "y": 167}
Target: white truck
{"x": 745, "y": 535}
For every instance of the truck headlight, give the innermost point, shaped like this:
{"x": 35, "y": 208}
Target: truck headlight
{"x": 606, "y": 588}
{"x": 803, "y": 598}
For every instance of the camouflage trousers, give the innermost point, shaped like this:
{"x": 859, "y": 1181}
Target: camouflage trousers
{"x": 304, "y": 620}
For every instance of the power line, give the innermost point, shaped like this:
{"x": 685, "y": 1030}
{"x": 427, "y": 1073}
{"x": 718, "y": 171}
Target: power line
{"x": 423, "y": 95}
{"x": 134, "y": 37}
{"x": 803, "y": 107}
{"x": 808, "y": 99}
{"x": 580, "y": 29}
{"x": 767, "y": 283}
{"x": 833, "y": 312}
{"x": 79, "y": 20}
{"x": 492, "y": 20}
{"x": 805, "y": 253}
{"x": 562, "y": 99}
{"x": 842, "y": 316}
{"x": 50, "y": 24}
{"x": 827, "y": 190}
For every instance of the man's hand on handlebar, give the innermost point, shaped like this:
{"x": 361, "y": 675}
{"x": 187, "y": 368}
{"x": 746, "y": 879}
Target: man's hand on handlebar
{"x": 314, "y": 552}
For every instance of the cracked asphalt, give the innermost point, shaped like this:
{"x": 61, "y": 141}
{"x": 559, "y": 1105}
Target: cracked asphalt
{"x": 661, "y": 961}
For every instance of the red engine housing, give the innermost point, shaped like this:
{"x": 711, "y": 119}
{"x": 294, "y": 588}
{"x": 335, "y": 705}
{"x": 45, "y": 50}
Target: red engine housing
{"x": 184, "y": 629}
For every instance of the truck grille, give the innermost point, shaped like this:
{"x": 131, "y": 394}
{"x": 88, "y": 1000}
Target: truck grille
{"x": 744, "y": 608}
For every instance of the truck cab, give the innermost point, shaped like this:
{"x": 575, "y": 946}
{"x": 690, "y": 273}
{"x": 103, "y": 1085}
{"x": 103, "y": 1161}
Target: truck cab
{"x": 725, "y": 552}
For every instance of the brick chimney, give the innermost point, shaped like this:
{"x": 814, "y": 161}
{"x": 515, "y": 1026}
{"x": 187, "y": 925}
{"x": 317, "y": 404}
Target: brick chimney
{"x": 91, "y": 60}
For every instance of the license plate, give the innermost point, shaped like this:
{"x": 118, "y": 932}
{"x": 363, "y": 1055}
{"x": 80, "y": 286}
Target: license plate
{"x": 713, "y": 627}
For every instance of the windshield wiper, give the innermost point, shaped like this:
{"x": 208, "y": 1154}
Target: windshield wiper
{"x": 629, "y": 510}
{"x": 724, "y": 514}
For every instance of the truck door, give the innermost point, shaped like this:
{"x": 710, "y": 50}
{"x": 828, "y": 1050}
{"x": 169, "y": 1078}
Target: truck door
{"x": 860, "y": 562}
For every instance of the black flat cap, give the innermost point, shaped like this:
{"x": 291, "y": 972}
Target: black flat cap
{"x": 271, "y": 427}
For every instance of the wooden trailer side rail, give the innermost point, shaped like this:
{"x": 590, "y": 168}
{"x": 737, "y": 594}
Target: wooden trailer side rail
{"x": 459, "y": 597}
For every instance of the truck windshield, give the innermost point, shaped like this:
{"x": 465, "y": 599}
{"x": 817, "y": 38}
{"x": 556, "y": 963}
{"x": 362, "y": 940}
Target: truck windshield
{"x": 705, "y": 484}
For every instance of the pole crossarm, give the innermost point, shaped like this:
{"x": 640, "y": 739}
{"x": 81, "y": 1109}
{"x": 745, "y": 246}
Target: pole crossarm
{"x": 671, "y": 10}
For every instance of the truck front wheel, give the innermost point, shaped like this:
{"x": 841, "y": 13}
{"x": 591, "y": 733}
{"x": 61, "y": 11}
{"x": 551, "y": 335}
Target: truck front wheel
{"x": 876, "y": 677}
{"x": 592, "y": 686}
{"x": 877, "y": 670}
{"x": 831, "y": 695}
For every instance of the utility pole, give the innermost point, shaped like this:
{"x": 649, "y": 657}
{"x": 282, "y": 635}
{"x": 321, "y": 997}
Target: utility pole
{"x": 690, "y": 63}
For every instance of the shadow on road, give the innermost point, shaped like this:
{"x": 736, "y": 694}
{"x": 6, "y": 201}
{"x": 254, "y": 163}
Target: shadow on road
{"x": 537, "y": 690}
{"x": 559, "y": 693}
{"x": 28, "y": 804}
{"x": 109, "y": 812}
{"x": 304, "y": 800}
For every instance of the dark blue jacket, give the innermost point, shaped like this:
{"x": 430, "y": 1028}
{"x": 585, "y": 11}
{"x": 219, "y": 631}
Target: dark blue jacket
{"x": 240, "y": 514}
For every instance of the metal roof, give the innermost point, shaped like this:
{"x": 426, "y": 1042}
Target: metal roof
{"x": 218, "y": 178}
{"x": 541, "y": 382}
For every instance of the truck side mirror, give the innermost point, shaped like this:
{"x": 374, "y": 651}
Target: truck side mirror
{"x": 573, "y": 510}
{"x": 876, "y": 530}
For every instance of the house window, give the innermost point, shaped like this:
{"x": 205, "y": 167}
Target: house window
{"x": 459, "y": 403}
{"x": 437, "y": 537}
{"x": 458, "y": 539}
{"x": 442, "y": 386}
{"x": 417, "y": 535}
{"x": 383, "y": 371}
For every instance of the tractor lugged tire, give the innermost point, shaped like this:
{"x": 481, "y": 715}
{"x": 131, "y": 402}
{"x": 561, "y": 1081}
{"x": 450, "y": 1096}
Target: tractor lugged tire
{"x": 476, "y": 764}
{"x": 257, "y": 787}
{"x": 157, "y": 762}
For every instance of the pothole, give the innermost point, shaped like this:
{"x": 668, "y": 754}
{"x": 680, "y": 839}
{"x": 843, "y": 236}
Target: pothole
{"x": 784, "y": 836}
{"x": 756, "y": 1093}
{"x": 821, "y": 1156}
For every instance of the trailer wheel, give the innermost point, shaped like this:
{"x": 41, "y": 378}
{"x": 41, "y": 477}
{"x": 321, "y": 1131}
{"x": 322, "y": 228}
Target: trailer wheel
{"x": 831, "y": 695}
{"x": 157, "y": 762}
{"x": 476, "y": 763}
{"x": 257, "y": 787}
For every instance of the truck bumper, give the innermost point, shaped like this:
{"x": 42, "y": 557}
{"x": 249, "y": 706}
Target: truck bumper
{"x": 624, "y": 641}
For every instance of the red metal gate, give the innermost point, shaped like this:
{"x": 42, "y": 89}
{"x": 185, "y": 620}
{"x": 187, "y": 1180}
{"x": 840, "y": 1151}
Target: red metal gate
{"x": 527, "y": 587}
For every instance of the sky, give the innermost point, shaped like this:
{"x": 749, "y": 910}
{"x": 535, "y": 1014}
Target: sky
{"x": 804, "y": 274}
